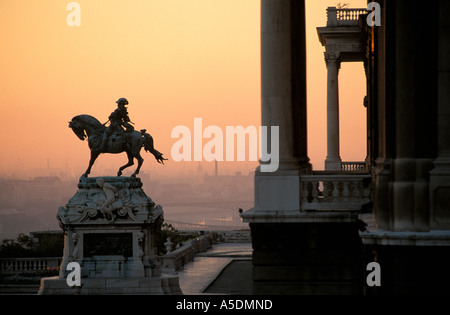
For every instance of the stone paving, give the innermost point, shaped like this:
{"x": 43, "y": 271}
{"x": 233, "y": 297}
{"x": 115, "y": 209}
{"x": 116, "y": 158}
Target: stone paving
{"x": 235, "y": 279}
{"x": 198, "y": 274}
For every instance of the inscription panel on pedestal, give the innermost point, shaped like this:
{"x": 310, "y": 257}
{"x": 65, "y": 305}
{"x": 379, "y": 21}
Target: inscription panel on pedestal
{"x": 101, "y": 244}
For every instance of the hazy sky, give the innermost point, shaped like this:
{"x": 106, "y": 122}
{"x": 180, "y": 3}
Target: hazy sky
{"x": 172, "y": 59}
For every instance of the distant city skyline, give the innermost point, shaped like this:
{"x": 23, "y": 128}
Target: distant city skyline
{"x": 179, "y": 169}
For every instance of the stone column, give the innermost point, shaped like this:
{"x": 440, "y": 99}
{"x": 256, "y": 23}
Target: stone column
{"x": 382, "y": 83}
{"x": 283, "y": 75}
{"x": 286, "y": 239}
{"x": 283, "y": 88}
{"x": 333, "y": 160}
{"x": 415, "y": 117}
{"x": 440, "y": 175}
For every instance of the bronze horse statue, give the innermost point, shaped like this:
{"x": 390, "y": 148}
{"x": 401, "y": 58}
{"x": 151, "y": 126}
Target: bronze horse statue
{"x": 86, "y": 126}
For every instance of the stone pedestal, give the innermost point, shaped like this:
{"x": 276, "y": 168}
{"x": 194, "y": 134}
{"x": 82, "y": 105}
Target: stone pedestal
{"x": 109, "y": 229}
{"x": 306, "y": 253}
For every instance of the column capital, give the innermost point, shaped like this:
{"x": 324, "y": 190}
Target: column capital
{"x": 332, "y": 57}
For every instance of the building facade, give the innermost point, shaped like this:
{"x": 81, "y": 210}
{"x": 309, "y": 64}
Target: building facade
{"x": 306, "y": 229}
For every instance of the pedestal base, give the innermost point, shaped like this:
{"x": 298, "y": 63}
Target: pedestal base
{"x": 110, "y": 228}
{"x": 109, "y": 286}
{"x": 306, "y": 254}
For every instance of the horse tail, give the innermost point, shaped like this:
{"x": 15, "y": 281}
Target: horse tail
{"x": 148, "y": 144}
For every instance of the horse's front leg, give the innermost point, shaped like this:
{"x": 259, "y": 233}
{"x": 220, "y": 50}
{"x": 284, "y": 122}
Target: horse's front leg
{"x": 94, "y": 156}
{"x": 130, "y": 163}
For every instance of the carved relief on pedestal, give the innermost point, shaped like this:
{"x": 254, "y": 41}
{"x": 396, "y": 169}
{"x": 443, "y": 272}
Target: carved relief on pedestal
{"x": 75, "y": 253}
{"x": 140, "y": 237}
{"x": 108, "y": 200}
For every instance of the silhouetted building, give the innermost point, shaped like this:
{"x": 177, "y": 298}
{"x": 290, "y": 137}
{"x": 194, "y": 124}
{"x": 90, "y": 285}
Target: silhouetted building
{"x": 305, "y": 225}
{"x": 408, "y": 94}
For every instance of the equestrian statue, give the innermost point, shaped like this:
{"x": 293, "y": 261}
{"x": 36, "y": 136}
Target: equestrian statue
{"x": 118, "y": 137}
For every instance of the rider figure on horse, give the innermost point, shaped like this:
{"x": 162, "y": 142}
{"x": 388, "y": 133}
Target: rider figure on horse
{"x": 118, "y": 119}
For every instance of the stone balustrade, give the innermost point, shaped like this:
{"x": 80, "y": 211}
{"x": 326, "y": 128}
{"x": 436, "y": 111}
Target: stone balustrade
{"x": 20, "y": 265}
{"x": 354, "y": 166}
{"x": 343, "y": 17}
{"x": 175, "y": 260}
{"x": 325, "y": 192}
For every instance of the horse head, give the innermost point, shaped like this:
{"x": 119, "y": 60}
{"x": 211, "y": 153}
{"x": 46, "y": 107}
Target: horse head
{"x": 83, "y": 125}
{"x": 77, "y": 129}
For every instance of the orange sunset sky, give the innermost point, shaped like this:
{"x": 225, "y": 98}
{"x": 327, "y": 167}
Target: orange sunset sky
{"x": 172, "y": 59}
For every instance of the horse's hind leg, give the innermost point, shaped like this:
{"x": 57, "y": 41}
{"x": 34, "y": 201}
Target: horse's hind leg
{"x": 140, "y": 161}
{"x": 130, "y": 163}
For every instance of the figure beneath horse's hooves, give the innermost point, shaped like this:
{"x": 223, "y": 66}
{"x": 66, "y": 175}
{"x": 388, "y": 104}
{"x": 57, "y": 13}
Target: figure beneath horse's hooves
{"x": 118, "y": 137}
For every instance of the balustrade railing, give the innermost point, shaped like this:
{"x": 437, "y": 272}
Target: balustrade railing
{"x": 335, "y": 192}
{"x": 343, "y": 17}
{"x": 353, "y": 166}
{"x": 175, "y": 260}
{"x": 22, "y": 265}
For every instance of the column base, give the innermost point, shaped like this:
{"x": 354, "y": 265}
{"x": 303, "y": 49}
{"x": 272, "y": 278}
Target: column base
{"x": 277, "y": 191}
{"x": 333, "y": 164}
{"x": 281, "y": 189}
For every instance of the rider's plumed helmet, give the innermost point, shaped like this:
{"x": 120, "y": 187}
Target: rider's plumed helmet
{"x": 122, "y": 101}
